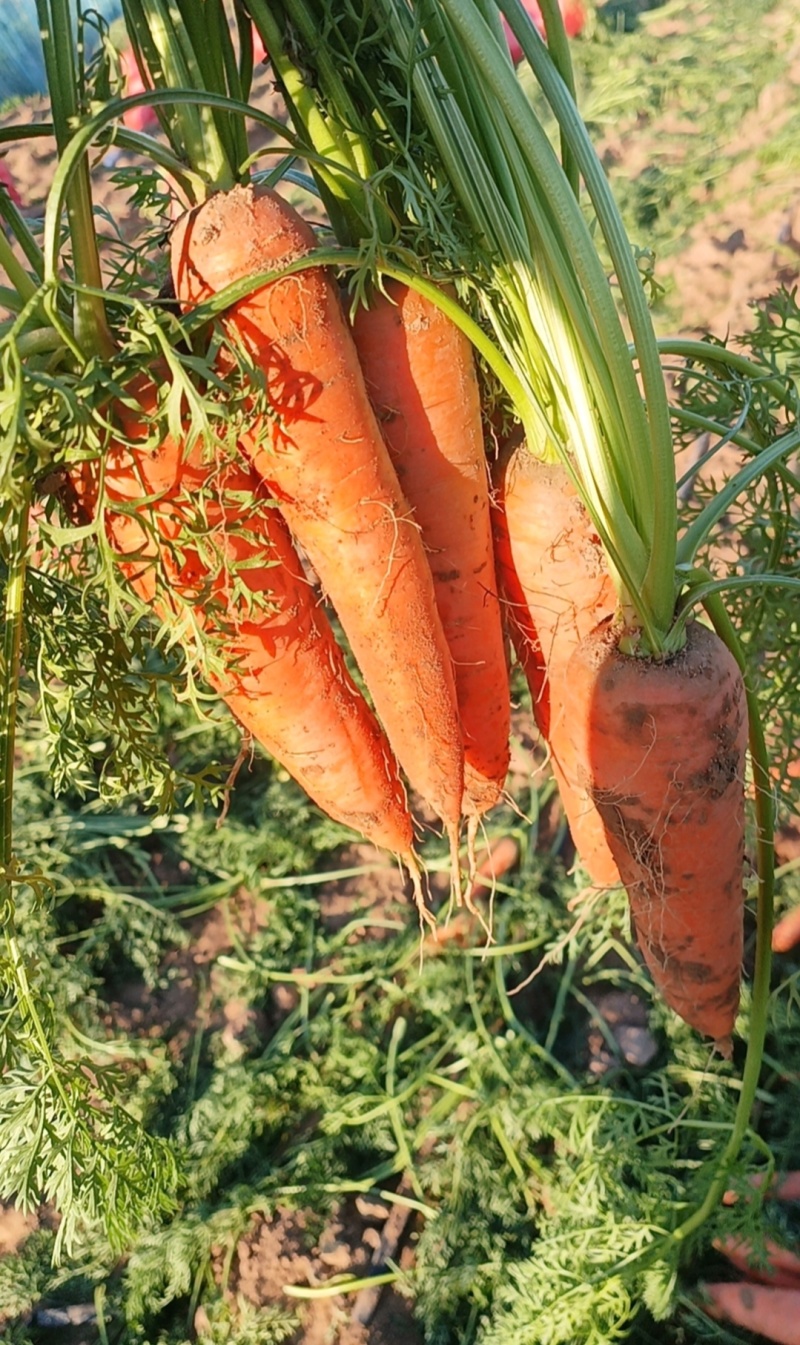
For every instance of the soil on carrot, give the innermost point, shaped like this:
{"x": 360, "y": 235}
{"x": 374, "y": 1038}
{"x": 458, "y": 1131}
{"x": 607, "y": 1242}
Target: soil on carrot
{"x": 739, "y": 247}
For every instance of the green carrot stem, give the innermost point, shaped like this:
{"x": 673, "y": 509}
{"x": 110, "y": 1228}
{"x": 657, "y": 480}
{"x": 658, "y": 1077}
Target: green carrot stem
{"x": 561, "y": 56}
{"x": 765, "y": 826}
{"x": 658, "y": 589}
{"x": 163, "y": 45}
{"x": 10, "y": 668}
{"x": 58, "y": 48}
{"x": 341, "y": 192}
{"x": 18, "y": 226}
{"x": 705, "y": 352}
{"x": 763, "y": 460}
{"x": 24, "y": 286}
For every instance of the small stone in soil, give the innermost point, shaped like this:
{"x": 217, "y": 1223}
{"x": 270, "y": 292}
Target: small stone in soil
{"x": 370, "y": 1207}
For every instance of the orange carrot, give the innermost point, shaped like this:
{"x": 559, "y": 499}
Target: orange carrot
{"x": 321, "y": 453}
{"x": 786, "y": 934}
{"x": 420, "y": 374}
{"x": 207, "y": 537}
{"x": 495, "y": 863}
{"x": 662, "y": 749}
{"x": 772, "y": 1313}
{"x": 555, "y": 588}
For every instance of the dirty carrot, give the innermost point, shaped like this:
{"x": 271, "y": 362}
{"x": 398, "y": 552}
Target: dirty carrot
{"x": 321, "y": 454}
{"x": 661, "y": 750}
{"x": 420, "y": 374}
{"x": 555, "y": 588}
{"x": 205, "y": 537}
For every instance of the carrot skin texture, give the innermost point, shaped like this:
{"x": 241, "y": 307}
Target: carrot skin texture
{"x": 555, "y": 589}
{"x": 282, "y": 674}
{"x": 323, "y": 458}
{"x": 420, "y": 374}
{"x": 662, "y": 747}
{"x": 772, "y": 1313}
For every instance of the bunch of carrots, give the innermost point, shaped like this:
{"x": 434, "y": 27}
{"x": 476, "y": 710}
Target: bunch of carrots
{"x": 363, "y": 454}
{"x": 370, "y": 461}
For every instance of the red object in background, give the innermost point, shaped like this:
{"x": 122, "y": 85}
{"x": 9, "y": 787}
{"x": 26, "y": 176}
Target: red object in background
{"x": 138, "y": 118}
{"x": 574, "y": 19}
{"x": 259, "y": 50}
{"x": 8, "y": 182}
{"x": 144, "y": 118}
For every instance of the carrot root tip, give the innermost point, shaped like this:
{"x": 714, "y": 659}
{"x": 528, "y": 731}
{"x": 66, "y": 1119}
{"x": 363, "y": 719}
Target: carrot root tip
{"x": 724, "y": 1046}
{"x": 473, "y": 822}
{"x": 426, "y": 916}
{"x": 456, "y": 888}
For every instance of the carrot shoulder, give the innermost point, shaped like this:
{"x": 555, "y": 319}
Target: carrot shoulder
{"x": 321, "y": 454}
{"x": 420, "y": 374}
{"x": 662, "y": 749}
{"x": 555, "y": 589}
{"x": 204, "y": 539}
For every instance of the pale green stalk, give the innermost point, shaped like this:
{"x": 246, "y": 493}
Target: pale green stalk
{"x": 643, "y": 458}
{"x": 58, "y": 46}
{"x": 159, "y": 37}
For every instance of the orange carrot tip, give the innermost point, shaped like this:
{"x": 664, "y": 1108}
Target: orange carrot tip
{"x": 786, "y": 934}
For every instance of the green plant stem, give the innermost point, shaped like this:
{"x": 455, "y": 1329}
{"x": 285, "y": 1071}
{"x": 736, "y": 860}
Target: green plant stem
{"x": 657, "y": 589}
{"x": 705, "y": 352}
{"x": 698, "y": 531}
{"x": 91, "y": 325}
{"x": 162, "y": 42}
{"x": 765, "y": 827}
{"x": 10, "y": 672}
{"x": 24, "y": 285}
{"x": 10, "y": 663}
{"x": 561, "y": 56}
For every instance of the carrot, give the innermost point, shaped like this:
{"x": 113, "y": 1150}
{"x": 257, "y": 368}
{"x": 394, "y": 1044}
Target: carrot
{"x": 772, "y": 1313}
{"x": 231, "y": 562}
{"x": 421, "y": 378}
{"x": 321, "y": 454}
{"x": 494, "y": 863}
{"x": 555, "y": 588}
{"x": 786, "y": 934}
{"x": 662, "y": 750}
